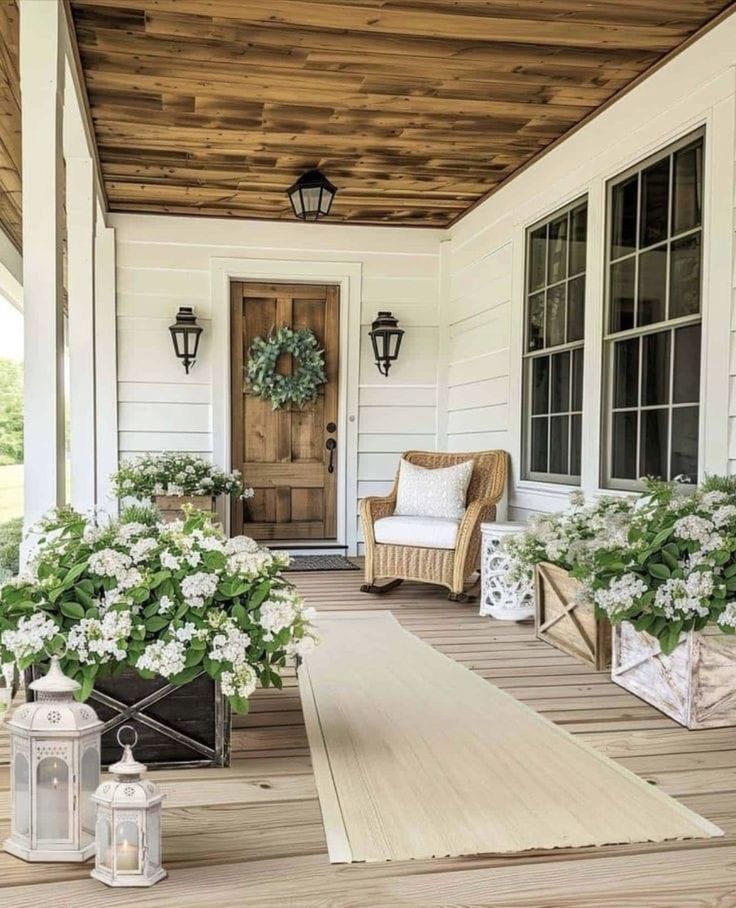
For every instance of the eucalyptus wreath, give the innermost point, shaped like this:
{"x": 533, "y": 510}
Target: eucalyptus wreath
{"x": 309, "y": 367}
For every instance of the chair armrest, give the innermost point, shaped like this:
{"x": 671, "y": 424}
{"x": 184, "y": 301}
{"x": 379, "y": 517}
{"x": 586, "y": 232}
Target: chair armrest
{"x": 371, "y": 510}
{"x": 476, "y": 513}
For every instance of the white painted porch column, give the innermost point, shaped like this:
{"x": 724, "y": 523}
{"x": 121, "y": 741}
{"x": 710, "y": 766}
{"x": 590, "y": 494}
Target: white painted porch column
{"x": 42, "y": 85}
{"x": 106, "y": 365}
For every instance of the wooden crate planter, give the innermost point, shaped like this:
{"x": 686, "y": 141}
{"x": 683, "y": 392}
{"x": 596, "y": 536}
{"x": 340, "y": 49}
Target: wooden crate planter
{"x": 568, "y": 622}
{"x": 695, "y": 685}
{"x": 171, "y": 505}
{"x": 182, "y": 726}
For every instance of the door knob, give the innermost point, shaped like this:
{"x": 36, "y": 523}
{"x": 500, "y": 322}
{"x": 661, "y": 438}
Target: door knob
{"x": 331, "y": 444}
{"x": 331, "y": 427}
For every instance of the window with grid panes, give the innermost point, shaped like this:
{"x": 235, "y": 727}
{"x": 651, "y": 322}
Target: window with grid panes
{"x": 654, "y": 318}
{"x": 553, "y": 357}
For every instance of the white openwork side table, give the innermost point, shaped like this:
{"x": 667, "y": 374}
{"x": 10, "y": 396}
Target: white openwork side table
{"x": 498, "y": 597}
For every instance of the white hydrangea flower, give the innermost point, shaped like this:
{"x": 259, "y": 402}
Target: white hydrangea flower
{"x": 140, "y": 549}
{"x": 30, "y": 636}
{"x": 620, "y": 594}
{"x": 186, "y": 632}
{"x": 239, "y": 683}
{"x": 680, "y": 598}
{"x": 165, "y": 604}
{"x": 728, "y": 616}
{"x": 230, "y": 645}
{"x": 726, "y": 514}
{"x": 102, "y": 638}
{"x": 165, "y": 658}
{"x": 169, "y": 560}
{"x": 197, "y": 587}
{"x": 109, "y": 563}
{"x": 693, "y": 528}
{"x": 127, "y": 531}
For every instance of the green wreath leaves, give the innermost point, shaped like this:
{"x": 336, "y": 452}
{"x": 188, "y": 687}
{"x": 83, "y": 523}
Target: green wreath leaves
{"x": 309, "y": 367}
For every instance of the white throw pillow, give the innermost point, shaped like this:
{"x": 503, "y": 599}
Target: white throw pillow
{"x": 433, "y": 493}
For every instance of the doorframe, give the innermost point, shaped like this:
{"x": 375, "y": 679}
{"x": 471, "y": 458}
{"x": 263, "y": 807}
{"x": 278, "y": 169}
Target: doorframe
{"x": 348, "y": 277}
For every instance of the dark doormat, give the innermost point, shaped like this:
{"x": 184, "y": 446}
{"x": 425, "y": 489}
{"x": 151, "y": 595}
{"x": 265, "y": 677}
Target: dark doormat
{"x": 321, "y": 563}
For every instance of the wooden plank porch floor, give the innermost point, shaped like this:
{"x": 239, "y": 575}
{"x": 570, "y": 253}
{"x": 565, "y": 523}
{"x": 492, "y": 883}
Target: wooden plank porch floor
{"x": 252, "y": 835}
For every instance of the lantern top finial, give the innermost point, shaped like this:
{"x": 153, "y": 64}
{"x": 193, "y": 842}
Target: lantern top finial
{"x": 55, "y": 681}
{"x": 128, "y": 767}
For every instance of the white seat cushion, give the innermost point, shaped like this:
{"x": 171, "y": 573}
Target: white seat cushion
{"x": 425, "y": 532}
{"x": 424, "y": 492}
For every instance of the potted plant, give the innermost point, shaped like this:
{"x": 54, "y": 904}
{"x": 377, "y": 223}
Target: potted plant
{"x": 172, "y": 479}
{"x": 166, "y": 624}
{"x": 670, "y": 591}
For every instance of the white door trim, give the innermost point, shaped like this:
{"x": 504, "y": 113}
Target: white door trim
{"x": 348, "y": 276}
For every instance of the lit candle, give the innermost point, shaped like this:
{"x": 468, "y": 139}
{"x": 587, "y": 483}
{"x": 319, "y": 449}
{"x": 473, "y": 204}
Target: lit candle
{"x": 127, "y": 856}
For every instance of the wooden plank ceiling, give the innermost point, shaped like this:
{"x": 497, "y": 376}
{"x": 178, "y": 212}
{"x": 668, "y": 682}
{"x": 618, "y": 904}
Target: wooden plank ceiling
{"x": 10, "y": 199}
{"x": 413, "y": 108}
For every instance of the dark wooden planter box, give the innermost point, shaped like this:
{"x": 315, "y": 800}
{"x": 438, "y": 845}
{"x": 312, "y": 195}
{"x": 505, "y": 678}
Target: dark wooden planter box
{"x": 176, "y": 726}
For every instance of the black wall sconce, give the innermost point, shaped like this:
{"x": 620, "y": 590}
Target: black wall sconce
{"x": 385, "y": 336}
{"x": 185, "y": 335}
{"x": 311, "y": 196}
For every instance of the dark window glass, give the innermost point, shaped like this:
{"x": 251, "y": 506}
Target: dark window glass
{"x": 576, "y": 309}
{"x": 687, "y": 198}
{"x": 685, "y": 276}
{"x": 626, "y": 373}
{"x": 652, "y": 286}
{"x": 622, "y": 295}
{"x": 538, "y": 458}
{"x": 623, "y": 217}
{"x": 655, "y": 369}
{"x": 685, "y": 443}
{"x": 655, "y": 198}
{"x": 536, "y": 321}
{"x": 560, "y": 383}
{"x": 686, "y": 377}
{"x": 578, "y": 239}
{"x": 576, "y": 402}
{"x": 576, "y": 428}
{"x": 653, "y": 457}
{"x": 537, "y": 258}
{"x": 557, "y": 250}
{"x": 623, "y": 464}
{"x": 540, "y": 384}
{"x": 558, "y": 444}
{"x": 555, "y": 327}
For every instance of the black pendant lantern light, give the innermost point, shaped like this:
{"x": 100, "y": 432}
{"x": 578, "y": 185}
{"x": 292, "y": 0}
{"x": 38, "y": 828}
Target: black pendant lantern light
{"x": 311, "y": 196}
{"x": 185, "y": 335}
{"x": 386, "y": 336}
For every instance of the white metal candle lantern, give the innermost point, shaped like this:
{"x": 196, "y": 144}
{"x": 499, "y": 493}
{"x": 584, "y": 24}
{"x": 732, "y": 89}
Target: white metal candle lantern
{"x": 55, "y": 769}
{"x": 128, "y": 824}
{"x": 500, "y": 598}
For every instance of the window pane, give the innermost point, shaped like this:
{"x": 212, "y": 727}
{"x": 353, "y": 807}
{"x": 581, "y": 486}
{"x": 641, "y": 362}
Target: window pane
{"x": 655, "y": 371}
{"x": 687, "y": 201}
{"x": 558, "y": 444}
{"x": 623, "y": 445}
{"x": 685, "y": 276}
{"x": 576, "y": 432}
{"x": 655, "y": 196}
{"x": 686, "y": 380}
{"x": 578, "y": 237}
{"x": 653, "y": 458}
{"x": 685, "y": 443}
{"x": 555, "y": 327}
{"x": 537, "y": 258}
{"x": 540, "y": 384}
{"x": 575, "y": 309}
{"x": 560, "y": 383}
{"x": 626, "y": 373}
{"x": 652, "y": 286}
{"x": 536, "y": 321}
{"x": 622, "y": 295}
{"x": 623, "y": 217}
{"x": 577, "y": 379}
{"x": 557, "y": 250}
{"x": 538, "y": 453}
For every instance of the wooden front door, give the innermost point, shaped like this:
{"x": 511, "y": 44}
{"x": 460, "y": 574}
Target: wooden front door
{"x": 287, "y": 455}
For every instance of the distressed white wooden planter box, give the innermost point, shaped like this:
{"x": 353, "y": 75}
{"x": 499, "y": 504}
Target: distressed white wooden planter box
{"x": 695, "y": 685}
{"x": 499, "y": 598}
{"x": 171, "y": 505}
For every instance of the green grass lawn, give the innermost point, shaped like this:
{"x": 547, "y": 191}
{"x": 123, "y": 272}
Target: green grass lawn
{"x": 11, "y": 492}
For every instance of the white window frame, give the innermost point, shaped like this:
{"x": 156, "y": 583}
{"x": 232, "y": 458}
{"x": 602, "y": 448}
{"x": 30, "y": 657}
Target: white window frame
{"x": 528, "y": 356}
{"x": 610, "y": 338}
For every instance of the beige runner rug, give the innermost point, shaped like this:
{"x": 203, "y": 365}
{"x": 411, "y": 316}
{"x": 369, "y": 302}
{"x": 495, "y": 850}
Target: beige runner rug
{"x": 417, "y": 757}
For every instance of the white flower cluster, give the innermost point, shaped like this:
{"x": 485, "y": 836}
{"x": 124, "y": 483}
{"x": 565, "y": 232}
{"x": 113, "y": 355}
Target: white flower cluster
{"x": 694, "y": 528}
{"x": 230, "y": 644}
{"x": 111, "y": 563}
{"x": 683, "y": 598}
{"x": 728, "y": 615}
{"x": 30, "y": 636}
{"x": 241, "y": 682}
{"x": 164, "y": 657}
{"x": 281, "y": 610}
{"x": 104, "y": 638}
{"x": 197, "y": 587}
{"x": 176, "y": 474}
{"x": 620, "y": 595}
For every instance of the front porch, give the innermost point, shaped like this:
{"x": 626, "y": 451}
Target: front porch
{"x": 253, "y": 834}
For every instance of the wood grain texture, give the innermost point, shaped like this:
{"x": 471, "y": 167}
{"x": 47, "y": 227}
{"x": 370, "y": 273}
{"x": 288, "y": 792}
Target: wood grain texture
{"x": 414, "y": 109}
{"x": 10, "y": 139}
{"x": 252, "y": 835}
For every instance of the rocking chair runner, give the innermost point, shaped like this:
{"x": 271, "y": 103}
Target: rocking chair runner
{"x": 450, "y": 567}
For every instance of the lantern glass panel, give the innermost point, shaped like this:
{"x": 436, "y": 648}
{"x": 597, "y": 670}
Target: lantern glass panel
{"x": 90, "y": 781}
{"x": 311, "y": 196}
{"x": 325, "y": 201}
{"x": 153, "y": 838}
{"x": 104, "y": 843}
{"x": 21, "y": 781}
{"x": 127, "y": 847}
{"x": 52, "y": 799}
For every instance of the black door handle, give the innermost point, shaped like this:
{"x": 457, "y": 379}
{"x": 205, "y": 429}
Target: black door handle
{"x": 331, "y": 444}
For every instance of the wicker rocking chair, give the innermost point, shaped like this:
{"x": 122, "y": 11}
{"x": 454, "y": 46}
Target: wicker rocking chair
{"x": 448, "y": 566}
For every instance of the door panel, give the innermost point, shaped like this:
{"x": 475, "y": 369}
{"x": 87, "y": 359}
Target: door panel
{"x": 282, "y": 453}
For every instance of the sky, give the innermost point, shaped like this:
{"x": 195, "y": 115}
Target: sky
{"x": 11, "y": 331}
